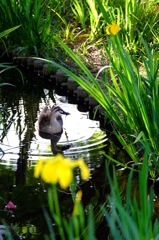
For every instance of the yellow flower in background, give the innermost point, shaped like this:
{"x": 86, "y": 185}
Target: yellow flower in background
{"x": 78, "y": 196}
{"x": 114, "y": 28}
{"x": 77, "y": 201}
{"x": 156, "y": 8}
{"x": 60, "y": 169}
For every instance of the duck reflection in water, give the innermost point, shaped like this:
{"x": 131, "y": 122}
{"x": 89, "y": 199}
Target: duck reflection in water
{"x": 50, "y": 126}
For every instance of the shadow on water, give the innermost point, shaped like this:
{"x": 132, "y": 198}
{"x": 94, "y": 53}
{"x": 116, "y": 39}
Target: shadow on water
{"x": 22, "y": 147}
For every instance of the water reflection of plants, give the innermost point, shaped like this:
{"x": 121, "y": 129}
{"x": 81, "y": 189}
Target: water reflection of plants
{"x": 5, "y": 66}
{"x": 27, "y": 94}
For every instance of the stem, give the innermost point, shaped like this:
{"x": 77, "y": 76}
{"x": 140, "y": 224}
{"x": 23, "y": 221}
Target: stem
{"x": 57, "y": 211}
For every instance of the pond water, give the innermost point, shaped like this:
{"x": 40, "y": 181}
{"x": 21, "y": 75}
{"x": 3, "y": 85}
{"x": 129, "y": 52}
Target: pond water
{"x": 21, "y": 148}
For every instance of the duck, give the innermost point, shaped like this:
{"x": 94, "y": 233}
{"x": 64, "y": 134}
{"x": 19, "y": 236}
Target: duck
{"x": 50, "y": 125}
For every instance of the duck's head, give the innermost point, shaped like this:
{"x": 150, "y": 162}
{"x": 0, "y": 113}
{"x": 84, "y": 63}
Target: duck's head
{"x": 56, "y": 109}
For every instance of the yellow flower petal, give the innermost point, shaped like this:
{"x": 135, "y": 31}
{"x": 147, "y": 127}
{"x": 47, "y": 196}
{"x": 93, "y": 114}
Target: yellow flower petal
{"x": 77, "y": 202}
{"x": 65, "y": 175}
{"x": 77, "y": 163}
{"x": 78, "y": 196}
{"x": 38, "y": 168}
{"x": 114, "y": 28}
{"x": 85, "y": 174}
{"x": 58, "y": 157}
{"x": 107, "y": 29}
{"x": 60, "y": 169}
{"x": 49, "y": 172}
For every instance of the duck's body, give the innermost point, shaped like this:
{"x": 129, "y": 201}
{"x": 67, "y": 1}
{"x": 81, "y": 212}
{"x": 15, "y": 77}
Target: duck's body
{"x": 50, "y": 126}
{"x": 50, "y": 123}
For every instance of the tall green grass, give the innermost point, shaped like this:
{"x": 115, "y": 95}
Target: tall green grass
{"x": 36, "y": 21}
{"x": 75, "y": 227}
{"x": 6, "y": 66}
{"x": 41, "y": 20}
{"x": 79, "y": 11}
{"x": 132, "y": 220}
{"x": 129, "y": 14}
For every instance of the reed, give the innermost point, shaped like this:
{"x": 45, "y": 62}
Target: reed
{"x": 135, "y": 219}
{"x": 35, "y": 19}
{"x": 79, "y": 11}
{"x": 41, "y": 20}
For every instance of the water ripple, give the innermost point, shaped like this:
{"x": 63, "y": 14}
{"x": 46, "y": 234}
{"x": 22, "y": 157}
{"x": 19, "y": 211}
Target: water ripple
{"x": 84, "y": 136}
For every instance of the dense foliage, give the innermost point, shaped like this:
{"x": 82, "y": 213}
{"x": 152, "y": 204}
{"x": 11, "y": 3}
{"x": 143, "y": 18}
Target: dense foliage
{"x": 131, "y": 102}
{"x": 70, "y": 20}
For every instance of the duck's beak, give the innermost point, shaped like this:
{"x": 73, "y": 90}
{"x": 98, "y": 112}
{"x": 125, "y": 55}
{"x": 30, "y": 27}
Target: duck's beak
{"x": 66, "y": 113}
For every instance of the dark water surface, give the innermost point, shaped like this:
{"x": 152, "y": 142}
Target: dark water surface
{"x": 21, "y": 147}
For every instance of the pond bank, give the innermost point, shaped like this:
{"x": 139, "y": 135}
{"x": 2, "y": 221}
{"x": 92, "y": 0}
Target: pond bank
{"x": 64, "y": 82}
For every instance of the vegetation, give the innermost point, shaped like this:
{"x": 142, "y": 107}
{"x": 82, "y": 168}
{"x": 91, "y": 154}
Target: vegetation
{"x": 132, "y": 222}
{"x": 72, "y": 20}
{"x": 5, "y": 66}
{"x": 135, "y": 220}
{"x": 131, "y": 101}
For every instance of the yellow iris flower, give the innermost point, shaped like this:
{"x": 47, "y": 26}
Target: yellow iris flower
{"x": 114, "y": 28}
{"x": 60, "y": 169}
